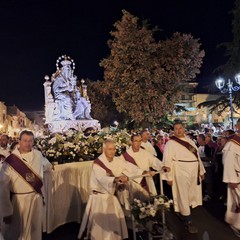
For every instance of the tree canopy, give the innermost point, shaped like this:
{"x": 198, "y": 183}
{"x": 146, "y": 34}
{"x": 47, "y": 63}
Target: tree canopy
{"x": 144, "y": 77}
{"x": 102, "y": 105}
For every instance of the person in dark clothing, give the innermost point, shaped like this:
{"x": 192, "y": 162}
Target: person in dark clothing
{"x": 221, "y": 187}
{"x": 159, "y": 146}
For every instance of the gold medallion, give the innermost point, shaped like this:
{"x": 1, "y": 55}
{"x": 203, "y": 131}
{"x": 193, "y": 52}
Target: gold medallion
{"x": 30, "y": 177}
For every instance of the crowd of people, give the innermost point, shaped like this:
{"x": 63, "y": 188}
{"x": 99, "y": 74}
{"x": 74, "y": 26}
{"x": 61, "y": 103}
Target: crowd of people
{"x": 195, "y": 165}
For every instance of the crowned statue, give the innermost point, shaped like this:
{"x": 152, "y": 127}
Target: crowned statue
{"x": 65, "y": 97}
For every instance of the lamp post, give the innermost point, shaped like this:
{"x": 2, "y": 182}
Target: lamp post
{"x": 220, "y": 83}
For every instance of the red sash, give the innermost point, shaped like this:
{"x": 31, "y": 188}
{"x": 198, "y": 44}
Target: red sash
{"x": 102, "y": 165}
{"x": 130, "y": 159}
{"x": 187, "y": 145}
{"x": 192, "y": 149}
{"x": 25, "y": 172}
{"x": 234, "y": 138}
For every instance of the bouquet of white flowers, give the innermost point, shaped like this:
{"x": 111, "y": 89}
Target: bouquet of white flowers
{"x": 149, "y": 210}
{"x": 74, "y": 146}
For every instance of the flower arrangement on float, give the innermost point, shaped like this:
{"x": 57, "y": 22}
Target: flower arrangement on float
{"x": 148, "y": 214}
{"x": 74, "y": 146}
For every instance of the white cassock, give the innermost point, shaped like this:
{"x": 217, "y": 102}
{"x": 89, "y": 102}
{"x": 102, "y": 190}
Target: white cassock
{"x": 26, "y": 206}
{"x": 145, "y": 160}
{"x": 4, "y": 151}
{"x": 184, "y": 175}
{"x": 231, "y": 174}
{"x": 103, "y": 217}
{"x": 149, "y": 148}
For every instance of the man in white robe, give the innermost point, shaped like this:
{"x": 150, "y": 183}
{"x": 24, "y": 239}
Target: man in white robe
{"x": 231, "y": 176}
{"x": 144, "y": 160}
{"x": 104, "y": 217}
{"x": 22, "y": 215}
{"x": 145, "y": 144}
{"x": 186, "y": 169}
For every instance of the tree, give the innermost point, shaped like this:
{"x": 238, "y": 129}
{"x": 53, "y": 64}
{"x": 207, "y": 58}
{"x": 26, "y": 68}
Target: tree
{"x": 143, "y": 76}
{"x": 103, "y": 108}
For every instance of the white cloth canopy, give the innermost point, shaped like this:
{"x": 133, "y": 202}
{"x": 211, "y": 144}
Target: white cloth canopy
{"x": 67, "y": 192}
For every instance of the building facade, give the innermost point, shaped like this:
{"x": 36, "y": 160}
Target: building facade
{"x": 198, "y": 115}
{"x": 13, "y": 121}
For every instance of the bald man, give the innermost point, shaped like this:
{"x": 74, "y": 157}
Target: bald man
{"x": 104, "y": 217}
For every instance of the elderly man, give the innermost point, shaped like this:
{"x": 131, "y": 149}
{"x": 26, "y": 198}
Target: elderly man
{"x": 103, "y": 217}
{"x": 181, "y": 155}
{"x": 231, "y": 176}
{"x": 144, "y": 160}
{"x": 21, "y": 176}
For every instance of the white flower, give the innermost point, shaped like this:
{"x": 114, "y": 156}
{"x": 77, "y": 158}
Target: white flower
{"x": 153, "y": 212}
{"x": 167, "y": 205}
{"x": 142, "y": 209}
{"x": 68, "y": 145}
{"x": 141, "y": 216}
{"x": 52, "y": 141}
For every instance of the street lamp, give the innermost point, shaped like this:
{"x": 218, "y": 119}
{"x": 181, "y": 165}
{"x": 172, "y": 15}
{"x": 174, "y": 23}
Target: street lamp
{"x": 220, "y": 83}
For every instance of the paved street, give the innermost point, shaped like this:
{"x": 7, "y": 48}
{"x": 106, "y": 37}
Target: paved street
{"x": 209, "y": 219}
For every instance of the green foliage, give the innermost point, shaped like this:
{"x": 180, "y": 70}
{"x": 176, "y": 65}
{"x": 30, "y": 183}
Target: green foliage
{"x": 103, "y": 107}
{"x": 144, "y": 77}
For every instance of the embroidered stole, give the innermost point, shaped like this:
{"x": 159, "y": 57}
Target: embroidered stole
{"x": 130, "y": 159}
{"x": 235, "y": 139}
{"x": 25, "y": 172}
{"x": 192, "y": 150}
{"x": 102, "y": 165}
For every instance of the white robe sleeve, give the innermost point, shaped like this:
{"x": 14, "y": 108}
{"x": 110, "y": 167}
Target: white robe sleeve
{"x": 47, "y": 166}
{"x": 168, "y": 162}
{"x": 229, "y": 171}
{"x": 130, "y": 169}
{"x": 105, "y": 181}
{"x": 152, "y": 150}
{"x": 155, "y": 163}
{"x": 6, "y": 207}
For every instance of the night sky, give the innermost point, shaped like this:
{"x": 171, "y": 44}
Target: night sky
{"x": 34, "y": 33}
